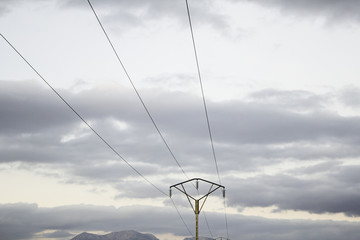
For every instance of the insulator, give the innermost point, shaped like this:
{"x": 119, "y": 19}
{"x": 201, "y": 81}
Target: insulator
{"x": 223, "y": 192}
{"x": 170, "y": 192}
{"x": 197, "y": 184}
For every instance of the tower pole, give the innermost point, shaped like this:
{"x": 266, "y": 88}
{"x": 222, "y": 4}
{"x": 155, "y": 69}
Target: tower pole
{"x": 197, "y": 211}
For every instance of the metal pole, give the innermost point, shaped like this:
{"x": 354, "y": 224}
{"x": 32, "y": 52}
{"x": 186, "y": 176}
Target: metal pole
{"x": 197, "y": 211}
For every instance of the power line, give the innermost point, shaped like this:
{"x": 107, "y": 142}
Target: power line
{"x": 136, "y": 91}
{"x": 182, "y": 219}
{"x": 93, "y": 130}
{"x": 143, "y": 103}
{"x": 205, "y": 107}
{"x": 82, "y": 119}
{"x": 207, "y": 224}
{"x": 202, "y": 90}
{"x": 226, "y": 220}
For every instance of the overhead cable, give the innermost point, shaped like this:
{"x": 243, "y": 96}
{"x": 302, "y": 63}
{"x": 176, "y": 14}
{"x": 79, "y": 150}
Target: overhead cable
{"x": 135, "y": 89}
{"x": 142, "y": 102}
{"x": 82, "y": 119}
{"x": 207, "y": 224}
{"x": 182, "y": 219}
{"x": 205, "y": 107}
{"x": 140, "y": 98}
{"x": 202, "y": 90}
{"x": 226, "y": 220}
{"x": 93, "y": 130}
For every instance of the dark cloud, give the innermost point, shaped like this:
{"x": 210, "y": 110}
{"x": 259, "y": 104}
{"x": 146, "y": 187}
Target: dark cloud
{"x": 276, "y": 128}
{"x": 205, "y": 12}
{"x": 141, "y": 13}
{"x": 120, "y": 15}
{"x": 27, "y": 113}
{"x": 37, "y": 117}
{"x": 250, "y": 123}
{"x": 332, "y": 9}
{"x": 336, "y": 191}
{"x": 24, "y": 220}
{"x": 348, "y": 174}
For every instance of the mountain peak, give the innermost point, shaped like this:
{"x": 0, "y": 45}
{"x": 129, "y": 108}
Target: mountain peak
{"x": 123, "y": 235}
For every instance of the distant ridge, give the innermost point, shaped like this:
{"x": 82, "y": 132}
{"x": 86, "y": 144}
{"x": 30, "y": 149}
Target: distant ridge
{"x": 123, "y": 235}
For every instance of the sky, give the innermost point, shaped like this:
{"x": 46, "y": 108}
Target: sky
{"x": 280, "y": 81}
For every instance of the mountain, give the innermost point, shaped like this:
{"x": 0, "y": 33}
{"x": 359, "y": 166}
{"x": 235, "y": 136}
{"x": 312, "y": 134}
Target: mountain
{"x": 123, "y": 235}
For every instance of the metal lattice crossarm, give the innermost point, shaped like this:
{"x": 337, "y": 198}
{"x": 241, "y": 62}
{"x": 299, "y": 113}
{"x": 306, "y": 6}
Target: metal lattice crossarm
{"x": 213, "y": 187}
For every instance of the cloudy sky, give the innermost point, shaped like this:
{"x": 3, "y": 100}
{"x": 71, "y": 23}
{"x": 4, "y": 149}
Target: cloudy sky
{"x": 281, "y": 83}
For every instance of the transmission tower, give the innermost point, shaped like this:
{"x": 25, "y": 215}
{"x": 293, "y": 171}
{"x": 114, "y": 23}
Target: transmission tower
{"x": 196, "y": 207}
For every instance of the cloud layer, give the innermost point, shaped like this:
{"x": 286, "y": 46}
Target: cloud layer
{"x": 332, "y": 9}
{"x": 21, "y": 221}
{"x": 37, "y": 128}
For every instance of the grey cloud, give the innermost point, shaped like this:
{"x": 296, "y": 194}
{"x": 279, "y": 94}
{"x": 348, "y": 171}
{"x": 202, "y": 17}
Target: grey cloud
{"x": 350, "y": 97}
{"x": 29, "y": 219}
{"x": 332, "y": 9}
{"x": 140, "y": 13}
{"x": 27, "y": 112}
{"x": 252, "y": 123}
{"x": 252, "y": 156}
{"x": 348, "y": 175}
{"x": 247, "y": 136}
{"x": 3, "y": 10}
{"x": 295, "y": 100}
{"x": 23, "y": 220}
{"x": 326, "y": 194}
{"x": 257, "y": 228}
